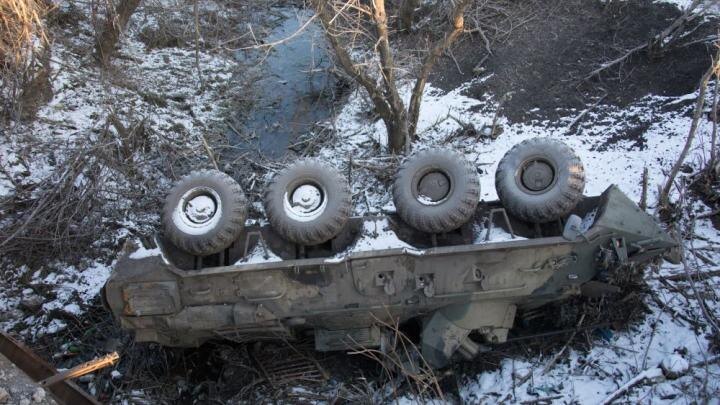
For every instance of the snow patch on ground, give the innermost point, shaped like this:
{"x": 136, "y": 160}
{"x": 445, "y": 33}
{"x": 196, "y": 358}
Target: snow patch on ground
{"x": 71, "y": 288}
{"x": 378, "y": 235}
{"x": 158, "y": 87}
{"x": 259, "y": 254}
{"x": 607, "y": 161}
{"x": 708, "y": 7}
{"x": 141, "y": 253}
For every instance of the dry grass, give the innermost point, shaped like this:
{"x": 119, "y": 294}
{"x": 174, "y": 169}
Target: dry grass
{"x": 21, "y": 23}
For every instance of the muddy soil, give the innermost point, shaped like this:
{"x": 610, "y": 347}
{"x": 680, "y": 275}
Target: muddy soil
{"x": 545, "y": 61}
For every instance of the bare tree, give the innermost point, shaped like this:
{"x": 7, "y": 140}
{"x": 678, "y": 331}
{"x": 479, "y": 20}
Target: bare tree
{"x": 407, "y": 14}
{"x": 23, "y": 65}
{"x": 116, "y": 19}
{"x": 713, "y": 70}
{"x": 358, "y": 33}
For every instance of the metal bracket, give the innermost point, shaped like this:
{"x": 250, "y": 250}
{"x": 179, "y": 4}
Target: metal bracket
{"x": 553, "y": 263}
{"x": 385, "y": 280}
{"x": 425, "y": 283}
{"x": 620, "y": 249}
{"x": 260, "y": 239}
{"x": 491, "y": 216}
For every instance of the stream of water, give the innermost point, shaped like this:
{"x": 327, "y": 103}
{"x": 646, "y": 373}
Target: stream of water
{"x": 293, "y": 90}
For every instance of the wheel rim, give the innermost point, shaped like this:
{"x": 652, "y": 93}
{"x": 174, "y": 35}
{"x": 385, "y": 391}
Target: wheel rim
{"x": 198, "y": 211}
{"x": 305, "y": 202}
{"x": 536, "y": 175}
{"x": 433, "y": 188}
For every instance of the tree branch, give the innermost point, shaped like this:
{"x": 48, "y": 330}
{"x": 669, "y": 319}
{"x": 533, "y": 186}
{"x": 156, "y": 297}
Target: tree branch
{"x": 387, "y": 66}
{"x": 699, "y": 103}
{"x": 343, "y": 58}
{"x": 458, "y": 25}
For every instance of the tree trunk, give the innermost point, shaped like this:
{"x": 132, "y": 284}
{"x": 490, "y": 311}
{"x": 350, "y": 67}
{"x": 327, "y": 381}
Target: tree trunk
{"x": 115, "y": 22}
{"x": 398, "y": 125}
{"x": 398, "y": 136}
{"x": 714, "y": 116}
{"x": 458, "y": 25}
{"x": 407, "y": 14}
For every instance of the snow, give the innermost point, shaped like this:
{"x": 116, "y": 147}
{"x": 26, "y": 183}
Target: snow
{"x": 71, "y": 288}
{"x": 588, "y": 221}
{"x": 141, "y": 252}
{"x": 377, "y": 235}
{"x": 675, "y": 364}
{"x": 259, "y": 254}
{"x": 663, "y": 140}
{"x": 496, "y": 234}
{"x": 83, "y": 100}
{"x": 709, "y": 6}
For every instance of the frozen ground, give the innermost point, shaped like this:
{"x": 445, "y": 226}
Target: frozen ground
{"x": 37, "y": 302}
{"x": 165, "y": 112}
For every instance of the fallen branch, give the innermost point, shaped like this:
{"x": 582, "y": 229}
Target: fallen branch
{"x": 280, "y": 41}
{"x": 614, "y": 62}
{"x": 658, "y": 40}
{"x": 209, "y": 151}
{"x": 557, "y": 355}
{"x": 582, "y": 115}
{"x": 82, "y": 369}
{"x": 651, "y": 374}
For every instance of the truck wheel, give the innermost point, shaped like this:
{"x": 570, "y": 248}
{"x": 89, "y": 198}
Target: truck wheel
{"x": 308, "y": 202}
{"x": 204, "y": 212}
{"x": 436, "y": 190}
{"x": 540, "y": 180}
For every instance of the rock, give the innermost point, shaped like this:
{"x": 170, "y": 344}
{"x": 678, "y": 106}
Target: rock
{"x": 667, "y": 391}
{"x": 31, "y": 302}
{"x": 4, "y": 396}
{"x": 111, "y": 345}
{"x": 24, "y": 401}
{"x": 11, "y": 314}
{"x": 674, "y": 366}
{"x": 86, "y": 378}
{"x": 38, "y": 395}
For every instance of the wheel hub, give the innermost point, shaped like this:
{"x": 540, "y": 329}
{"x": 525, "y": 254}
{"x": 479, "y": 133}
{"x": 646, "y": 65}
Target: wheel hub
{"x": 306, "y": 199}
{"x": 200, "y": 209}
{"x": 537, "y": 175}
{"x": 433, "y": 188}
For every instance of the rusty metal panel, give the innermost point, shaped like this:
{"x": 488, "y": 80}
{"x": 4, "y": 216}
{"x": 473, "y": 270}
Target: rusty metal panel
{"x": 64, "y": 392}
{"x": 155, "y": 298}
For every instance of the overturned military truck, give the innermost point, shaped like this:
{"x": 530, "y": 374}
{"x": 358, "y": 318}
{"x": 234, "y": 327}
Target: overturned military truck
{"x": 460, "y": 266}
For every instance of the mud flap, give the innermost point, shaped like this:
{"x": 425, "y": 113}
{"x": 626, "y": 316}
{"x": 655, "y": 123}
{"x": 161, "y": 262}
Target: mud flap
{"x": 447, "y": 330}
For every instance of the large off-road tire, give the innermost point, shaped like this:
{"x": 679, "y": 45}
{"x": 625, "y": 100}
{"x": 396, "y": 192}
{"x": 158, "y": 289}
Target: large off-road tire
{"x": 308, "y": 202}
{"x": 204, "y": 212}
{"x": 540, "y": 180}
{"x": 436, "y": 190}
